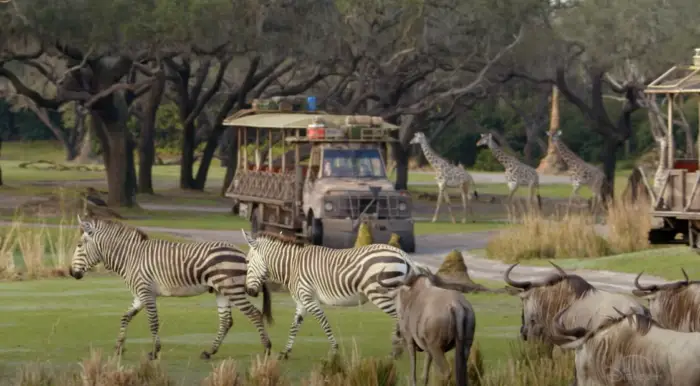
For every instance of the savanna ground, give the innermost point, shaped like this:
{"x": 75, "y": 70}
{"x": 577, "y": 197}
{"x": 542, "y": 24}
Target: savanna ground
{"x": 61, "y": 320}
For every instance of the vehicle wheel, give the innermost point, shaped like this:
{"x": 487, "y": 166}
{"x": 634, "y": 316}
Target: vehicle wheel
{"x": 408, "y": 243}
{"x": 662, "y": 236}
{"x": 315, "y": 231}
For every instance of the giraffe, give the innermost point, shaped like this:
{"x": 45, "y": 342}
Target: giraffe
{"x": 661, "y": 170}
{"x": 582, "y": 173}
{"x": 517, "y": 172}
{"x": 448, "y": 175}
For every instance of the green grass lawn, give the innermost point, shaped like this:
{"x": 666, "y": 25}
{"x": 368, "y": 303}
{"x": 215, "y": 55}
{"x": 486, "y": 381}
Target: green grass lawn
{"x": 60, "y": 320}
{"x": 665, "y": 262}
{"x": 223, "y": 221}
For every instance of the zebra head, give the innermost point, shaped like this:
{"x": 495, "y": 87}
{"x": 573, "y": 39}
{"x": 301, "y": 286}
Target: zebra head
{"x": 82, "y": 260}
{"x": 257, "y": 267}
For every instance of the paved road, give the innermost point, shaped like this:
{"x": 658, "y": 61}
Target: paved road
{"x": 432, "y": 248}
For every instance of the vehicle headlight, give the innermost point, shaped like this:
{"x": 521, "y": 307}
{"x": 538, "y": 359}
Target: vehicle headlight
{"x": 402, "y": 206}
{"x": 328, "y": 206}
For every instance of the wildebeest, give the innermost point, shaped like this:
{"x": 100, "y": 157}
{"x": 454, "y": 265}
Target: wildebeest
{"x": 434, "y": 318}
{"x": 675, "y": 306}
{"x": 631, "y": 349}
{"x": 544, "y": 299}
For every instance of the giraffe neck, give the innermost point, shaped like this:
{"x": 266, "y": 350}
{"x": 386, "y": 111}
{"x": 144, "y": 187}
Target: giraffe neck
{"x": 569, "y": 157}
{"x": 501, "y": 156}
{"x": 661, "y": 169}
{"x": 430, "y": 154}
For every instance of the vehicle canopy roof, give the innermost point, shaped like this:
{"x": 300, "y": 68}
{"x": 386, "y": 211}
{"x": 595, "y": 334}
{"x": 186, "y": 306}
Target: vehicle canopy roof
{"x": 679, "y": 79}
{"x": 300, "y": 120}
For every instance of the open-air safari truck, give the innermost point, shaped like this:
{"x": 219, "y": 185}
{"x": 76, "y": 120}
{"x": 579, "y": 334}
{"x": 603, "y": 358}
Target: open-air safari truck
{"x": 317, "y": 176}
{"x": 677, "y": 200}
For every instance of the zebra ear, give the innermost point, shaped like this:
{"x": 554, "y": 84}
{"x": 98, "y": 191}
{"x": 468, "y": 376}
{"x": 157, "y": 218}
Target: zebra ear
{"x": 249, "y": 239}
{"x": 85, "y": 226}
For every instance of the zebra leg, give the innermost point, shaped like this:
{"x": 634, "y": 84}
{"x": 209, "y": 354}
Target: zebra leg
{"x": 255, "y": 316}
{"x": 314, "y": 308}
{"x": 136, "y": 306}
{"x": 150, "y": 303}
{"x": 225, "y": 322}
{"x": 388, "y": 305}
{"x": 293, "y": 330}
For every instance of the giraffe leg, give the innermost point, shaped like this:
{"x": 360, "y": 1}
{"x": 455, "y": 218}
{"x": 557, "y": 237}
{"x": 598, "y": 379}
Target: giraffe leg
{"x": 574, "y": 193}
{"x": 512, "y": 187}
{"x": 136, "y": 306}
{"x": 441, "y": 189}
{"x": 465, "y": 204}
{"x": 449, "y": 206}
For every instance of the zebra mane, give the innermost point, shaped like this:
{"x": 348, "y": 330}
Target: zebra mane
{"x": 274, "y": 236}
{"x": 123, "y": 227}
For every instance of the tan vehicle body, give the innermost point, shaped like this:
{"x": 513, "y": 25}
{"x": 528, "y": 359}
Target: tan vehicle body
{"x": 300, "y": 194}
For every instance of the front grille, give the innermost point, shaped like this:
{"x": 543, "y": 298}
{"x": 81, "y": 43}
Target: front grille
{"x": 383, "y": 207}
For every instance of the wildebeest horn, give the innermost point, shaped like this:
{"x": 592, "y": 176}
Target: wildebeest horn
{"x": 558, "y": 268}
{"x": 644, "y": 288}
{"x": 619, "y": 312}
{"x": 559, "y": 328}
{"x": 685, "y": 275}
{"x": 381, "y": 282}
{"x": 513, "y": 283}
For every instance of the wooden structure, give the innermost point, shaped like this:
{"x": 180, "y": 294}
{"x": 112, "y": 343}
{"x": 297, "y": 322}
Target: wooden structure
{"x": 677, "y": 201}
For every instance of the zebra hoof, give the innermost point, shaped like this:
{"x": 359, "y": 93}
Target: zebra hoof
{"x": 283, "y": 356}
{"x": 152, "y": 356}
{"x": 119, "y": 350}
{"x": 204, "y": 355}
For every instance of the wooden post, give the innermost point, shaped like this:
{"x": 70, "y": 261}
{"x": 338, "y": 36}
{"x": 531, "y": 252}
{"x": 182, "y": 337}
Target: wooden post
{"x": 284, "y": 152}
{"x": 669, "y": 132}
{"x": 269, "y": 150}
{"x": 257, "y": 149}
{"x": 245, "y": 147}
{"x": 239, "y": 161}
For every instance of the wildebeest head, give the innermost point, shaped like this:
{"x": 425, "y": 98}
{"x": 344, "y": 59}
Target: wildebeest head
{"x": 674, "y": 305}
{"x": 572, "y": 338}
{"x": 544, "y": 299}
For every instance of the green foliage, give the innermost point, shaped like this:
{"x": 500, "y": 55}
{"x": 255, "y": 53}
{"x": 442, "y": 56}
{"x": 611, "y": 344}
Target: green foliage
{"x": 486, "y": 161}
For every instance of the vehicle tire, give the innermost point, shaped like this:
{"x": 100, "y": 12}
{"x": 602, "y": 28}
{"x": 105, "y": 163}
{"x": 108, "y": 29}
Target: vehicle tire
{"x": 315, "y": 231}
{"x": 408, "y": 243}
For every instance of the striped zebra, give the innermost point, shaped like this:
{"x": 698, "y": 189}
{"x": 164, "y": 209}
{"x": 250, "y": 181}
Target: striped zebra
{"x": 318, "y": 275}
{"x": 153, "y": 268}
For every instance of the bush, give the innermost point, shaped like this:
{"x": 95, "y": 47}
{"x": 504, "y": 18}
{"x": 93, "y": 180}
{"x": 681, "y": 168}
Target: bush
{"x": 546, "y": 238}
{"x": 485, "y": 161}
{"x": 629, "y": 226}
{"x": 364, "y": 236}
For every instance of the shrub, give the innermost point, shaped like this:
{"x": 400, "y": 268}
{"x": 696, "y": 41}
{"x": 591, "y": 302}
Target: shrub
{"x": 629, "y": 225}
{"x": 538, "y": 237}
{"x": 364, "y": 236}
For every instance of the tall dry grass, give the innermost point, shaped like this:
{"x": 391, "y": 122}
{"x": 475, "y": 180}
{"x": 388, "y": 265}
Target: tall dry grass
{"x": 534, "y": 236}
{"x": 525, "y": 365}
{"x": 30, "y": 250}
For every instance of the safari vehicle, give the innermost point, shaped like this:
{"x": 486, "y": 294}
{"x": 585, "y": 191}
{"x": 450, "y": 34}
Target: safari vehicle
{"x": 676, "y": 203}
{"x": 329, "y": 177}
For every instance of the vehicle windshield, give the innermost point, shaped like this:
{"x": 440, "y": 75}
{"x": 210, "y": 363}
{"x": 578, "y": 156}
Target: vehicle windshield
{"x": 356, "y": 163}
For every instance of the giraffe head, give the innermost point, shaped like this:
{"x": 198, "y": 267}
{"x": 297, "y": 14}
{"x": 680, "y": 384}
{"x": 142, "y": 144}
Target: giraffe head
{"x": 554, "y": 136}
{"x": 418, "y": 138}
{"x": 485, "y": 140}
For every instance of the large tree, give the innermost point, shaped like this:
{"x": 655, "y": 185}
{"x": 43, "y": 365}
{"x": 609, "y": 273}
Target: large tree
{"x": 590, "y": 49}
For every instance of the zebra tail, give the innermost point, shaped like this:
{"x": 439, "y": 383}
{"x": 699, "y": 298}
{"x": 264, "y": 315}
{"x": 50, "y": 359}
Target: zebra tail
{"x": 267, "y": 305}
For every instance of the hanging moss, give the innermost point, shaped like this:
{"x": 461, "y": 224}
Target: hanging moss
{"x": 364, "y": 236}
{"x": 394, "y": 241}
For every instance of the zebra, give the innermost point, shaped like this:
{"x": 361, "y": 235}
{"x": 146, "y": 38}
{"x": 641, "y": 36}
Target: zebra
{"x": 153, "y": 268}
{"x": 318, "y": 275}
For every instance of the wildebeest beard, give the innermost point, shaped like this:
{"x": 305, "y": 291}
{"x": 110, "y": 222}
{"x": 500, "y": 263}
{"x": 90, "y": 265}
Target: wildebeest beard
{"x": 679, "y": 309}
{"x": 552, "y": 298}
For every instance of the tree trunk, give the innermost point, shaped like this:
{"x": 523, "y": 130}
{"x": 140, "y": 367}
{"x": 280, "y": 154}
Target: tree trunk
{"x": 131, "y": 183}
{"x": 187, "y": 160}
{"x": 147, "y": 149}
{"x": 231, "y": 160}
{"x": 1, "y": 181}
{"x": 85, "y": 154}
{"x": 205, "y": 162}
{"x": 609, "y": 158}
{"x": 116, "y": 164}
